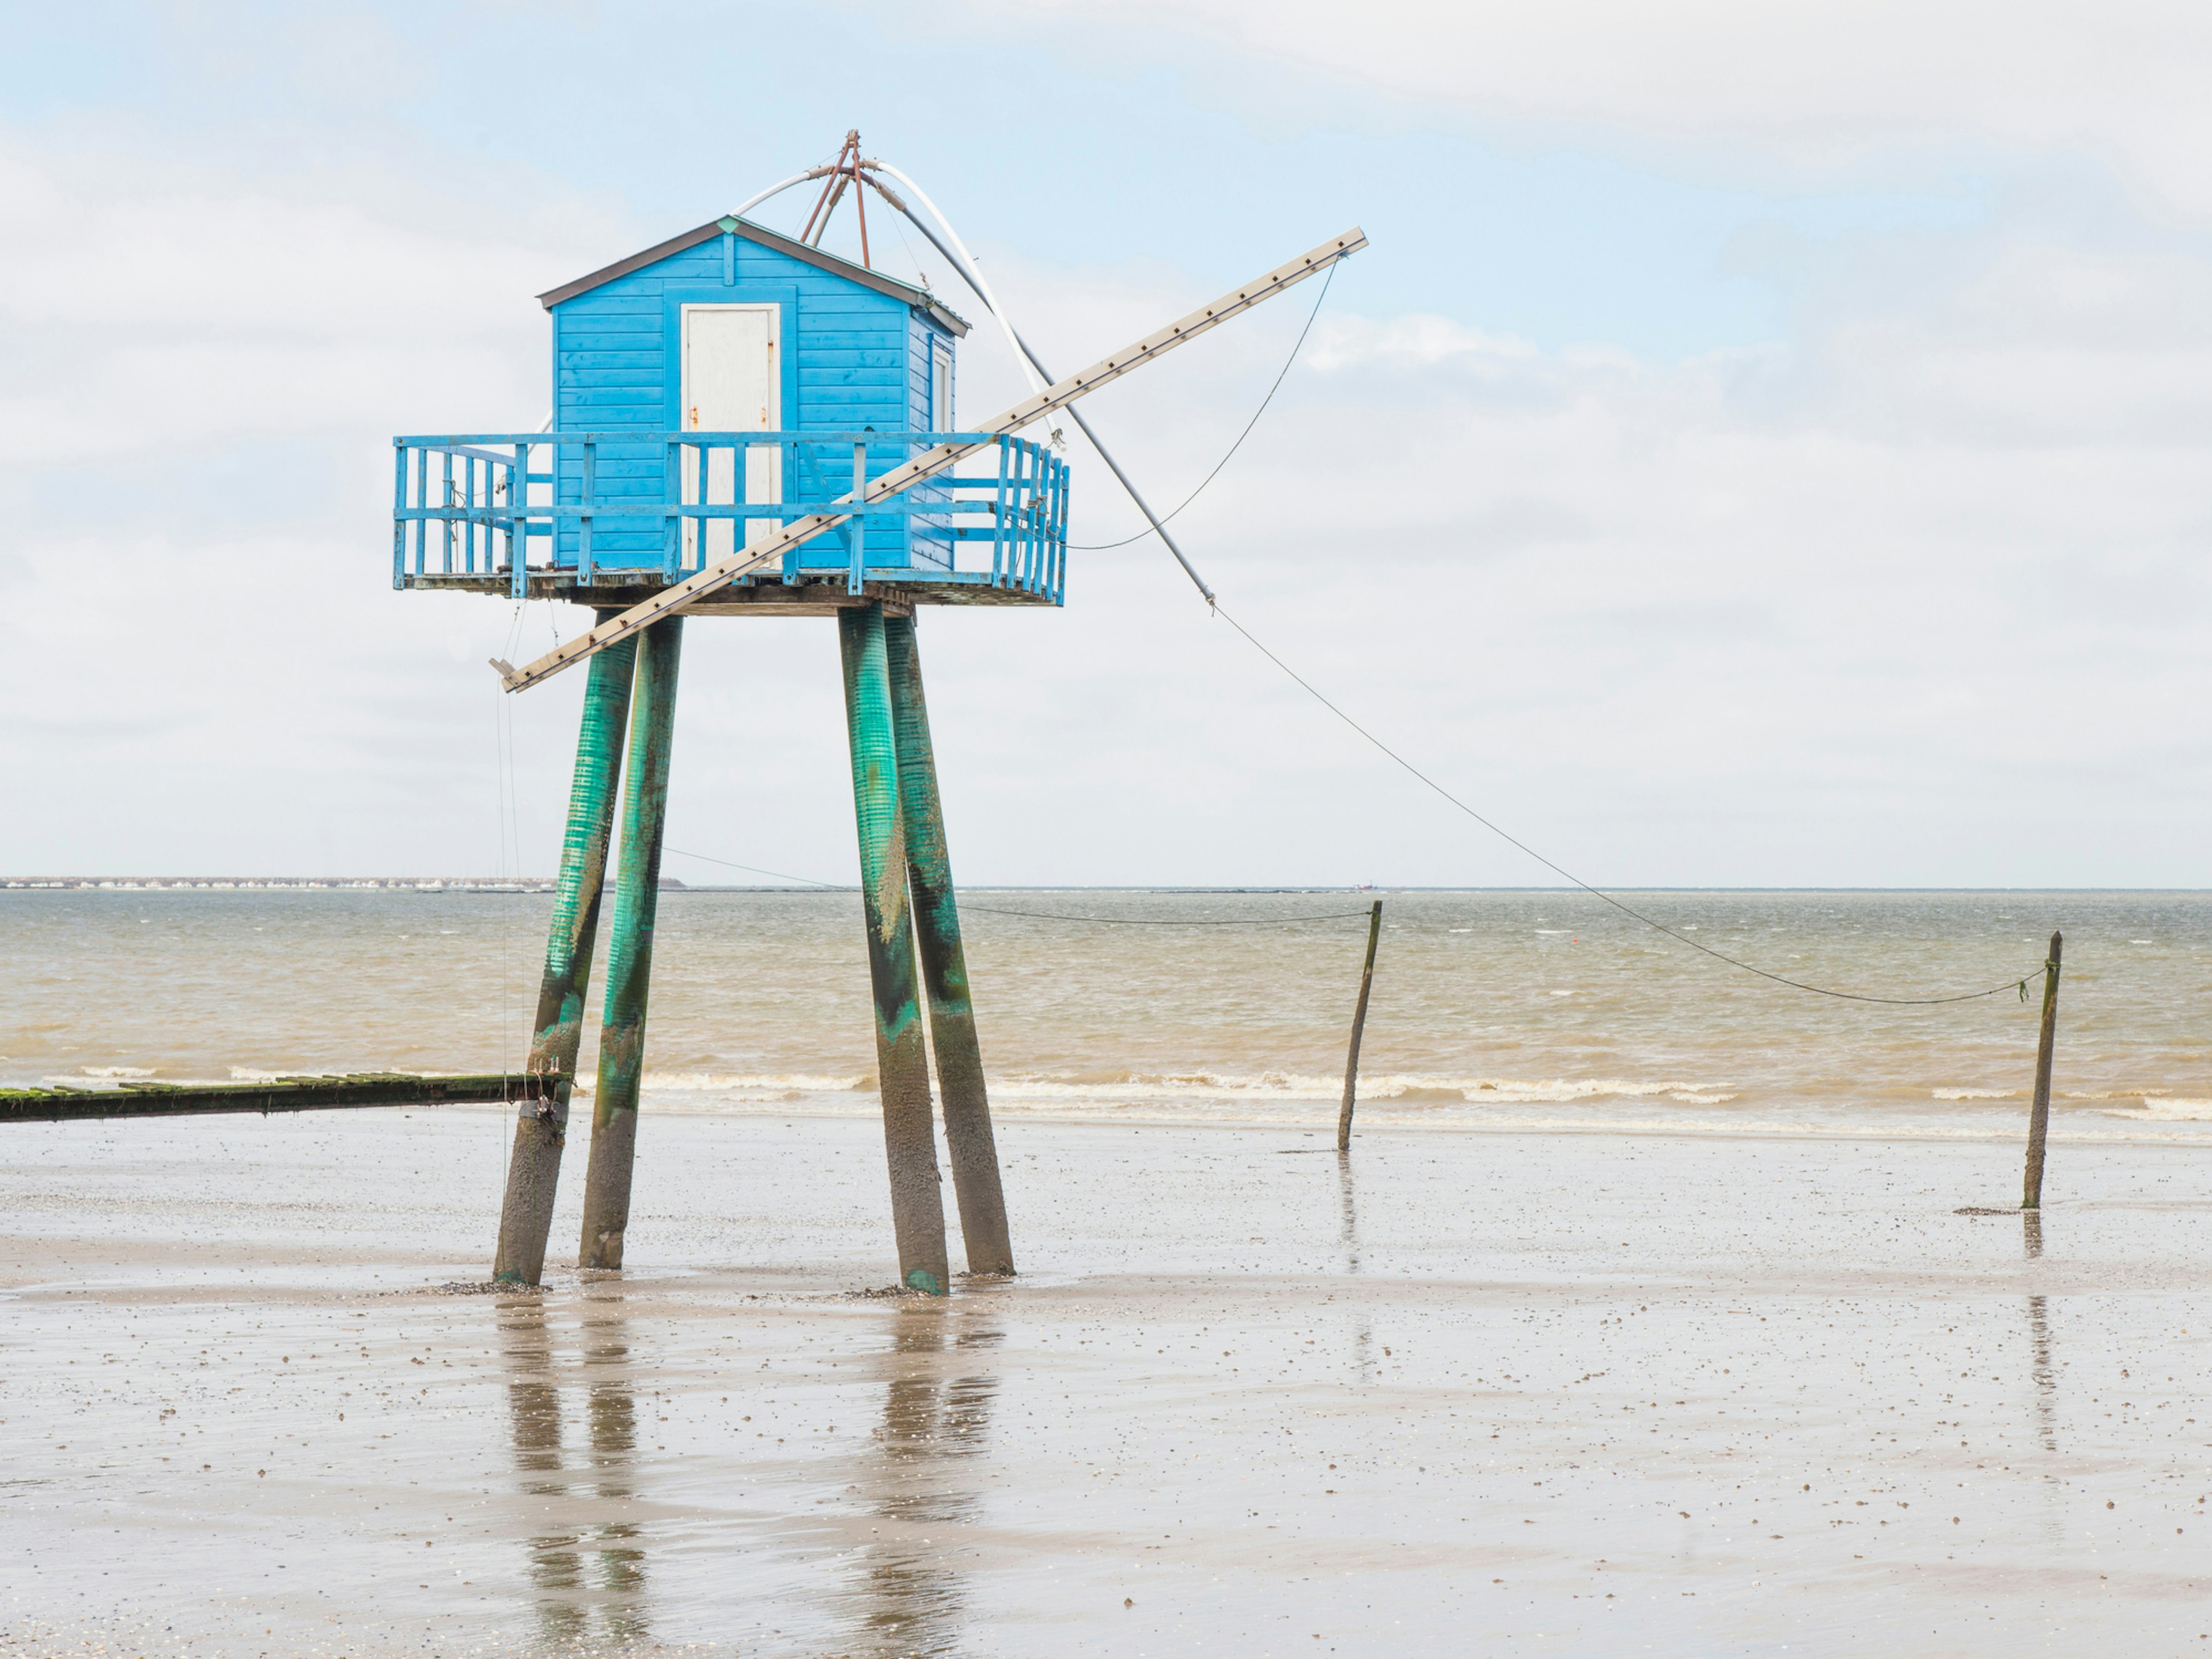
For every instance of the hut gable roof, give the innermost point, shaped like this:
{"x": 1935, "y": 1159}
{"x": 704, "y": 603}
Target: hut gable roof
{"x": 920, "y": 299}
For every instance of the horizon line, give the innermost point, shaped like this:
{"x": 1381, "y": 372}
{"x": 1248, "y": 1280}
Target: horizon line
{"x": 668, "y": 884}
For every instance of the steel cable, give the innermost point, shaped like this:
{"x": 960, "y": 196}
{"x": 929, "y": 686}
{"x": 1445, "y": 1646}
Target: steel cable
{"x": 1101, "y": 547}
{"x": 2020, "y": 983}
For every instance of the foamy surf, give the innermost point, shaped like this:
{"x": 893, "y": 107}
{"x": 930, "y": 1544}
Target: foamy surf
{"x": 2164, "y": 1109}
{"x": 1405, "y": 1089}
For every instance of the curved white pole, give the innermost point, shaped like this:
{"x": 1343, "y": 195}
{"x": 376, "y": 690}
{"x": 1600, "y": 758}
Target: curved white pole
{"x": 973, "y": 274}
{"x": 752, "y": 202}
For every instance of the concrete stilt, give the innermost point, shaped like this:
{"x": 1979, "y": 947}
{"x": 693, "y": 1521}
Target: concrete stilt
{"x": 967, "y": 1136}
{"x": 533, "y": 1169}
{"x": 902, "y": 1062}
{"x": 629, "y": 949}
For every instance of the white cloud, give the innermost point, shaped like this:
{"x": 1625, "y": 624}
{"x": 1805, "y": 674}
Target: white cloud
{"x": 161, "y": 306}
{"x": 1916, "y": 598}
{"x": 1825, "y": 84}
{"x": 1913, "y": 596}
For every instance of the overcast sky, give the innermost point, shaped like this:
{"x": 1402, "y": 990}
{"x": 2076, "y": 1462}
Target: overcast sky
{"x": 1763, "y": 445}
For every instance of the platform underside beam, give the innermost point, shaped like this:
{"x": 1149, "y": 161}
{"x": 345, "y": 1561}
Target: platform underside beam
{"x": 770, "y": 598}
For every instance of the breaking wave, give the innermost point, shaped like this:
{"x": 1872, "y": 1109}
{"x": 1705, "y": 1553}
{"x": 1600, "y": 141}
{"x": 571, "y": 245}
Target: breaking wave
{"x": 1080, "y": 1089}
{"x": 2167, "y": 1108}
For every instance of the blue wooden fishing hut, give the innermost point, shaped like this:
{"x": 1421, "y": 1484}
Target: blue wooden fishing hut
{"x": 707, "y": 391}
{"x": 712, "y": 387}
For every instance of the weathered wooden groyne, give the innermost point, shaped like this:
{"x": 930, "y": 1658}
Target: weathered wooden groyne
{"x": 288, "y": 1094}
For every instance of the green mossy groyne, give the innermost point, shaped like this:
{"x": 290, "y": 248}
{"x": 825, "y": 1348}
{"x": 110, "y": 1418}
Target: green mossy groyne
{"x": 288, "y": 1094}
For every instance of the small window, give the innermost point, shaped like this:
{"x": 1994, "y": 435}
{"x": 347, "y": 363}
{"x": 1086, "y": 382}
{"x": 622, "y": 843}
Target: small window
{"x": 940, "y": 387}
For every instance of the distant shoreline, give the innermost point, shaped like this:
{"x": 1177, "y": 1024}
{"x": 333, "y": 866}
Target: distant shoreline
{"x": 671, "y": 884}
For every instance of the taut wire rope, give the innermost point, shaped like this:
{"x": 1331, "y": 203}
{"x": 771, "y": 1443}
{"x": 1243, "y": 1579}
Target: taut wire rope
{"x": 2020, "y": 983}
{"x": 1296, "y": 347}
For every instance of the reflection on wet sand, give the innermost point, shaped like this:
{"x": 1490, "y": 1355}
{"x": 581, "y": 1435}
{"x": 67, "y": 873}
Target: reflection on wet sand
{"x": 589, "y": 1582}
{"x": 1347, "y": 1229}
{"x": 937, "y": 1403}
{"x": 1363, "y": 1332}
{"x": 2038, "y": 1333}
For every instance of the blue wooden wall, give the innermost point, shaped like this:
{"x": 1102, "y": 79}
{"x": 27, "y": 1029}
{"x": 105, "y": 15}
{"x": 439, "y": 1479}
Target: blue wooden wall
{"x": 853, "y": 357}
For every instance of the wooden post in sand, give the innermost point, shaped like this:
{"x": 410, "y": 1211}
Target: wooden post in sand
{"x": 1359, "y": 1025}
{"x": 2039, "y": 1114}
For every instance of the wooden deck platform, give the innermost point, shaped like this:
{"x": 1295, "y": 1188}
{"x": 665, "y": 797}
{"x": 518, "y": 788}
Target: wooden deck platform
{"x": 899, "y": 591}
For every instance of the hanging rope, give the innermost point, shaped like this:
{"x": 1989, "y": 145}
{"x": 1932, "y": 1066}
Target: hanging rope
{"x": 1101, "y": 547}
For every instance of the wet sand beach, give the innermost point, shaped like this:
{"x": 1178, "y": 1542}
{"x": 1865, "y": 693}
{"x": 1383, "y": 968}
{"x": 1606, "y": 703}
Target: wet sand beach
{"x": 1472, "y": 1391}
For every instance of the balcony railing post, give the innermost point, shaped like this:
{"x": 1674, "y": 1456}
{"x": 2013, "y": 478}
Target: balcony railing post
{"x": 794, "y": 477}
{"x": 398, "y": 508}
{"x": 1041, "y": 464}
{"x": 517, "y": 524}
{"x": 672, "y": 538}
{"x": 741, "y": 487}
{"x": 699, "y": 497}
{"x": 1048, "y": 507}
{"x": 1053, "y": 469}
{"x": 422, "y": 500}
{"x": 1016, "y": 460}
{"x": 589, "y": 497}
{"x": 1044, "y": 520}
{"x": 1027, "y": 518}
{"x": 998, "y": 520}
{"x": 856, "y": 528}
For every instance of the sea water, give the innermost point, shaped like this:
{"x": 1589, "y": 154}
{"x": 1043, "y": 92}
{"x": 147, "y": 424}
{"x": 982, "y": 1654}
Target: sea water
{"x": 1491, "y": 1009}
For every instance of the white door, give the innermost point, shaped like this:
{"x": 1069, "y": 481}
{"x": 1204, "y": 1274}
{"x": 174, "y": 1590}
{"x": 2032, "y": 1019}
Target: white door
{"x": 732, "y": 383}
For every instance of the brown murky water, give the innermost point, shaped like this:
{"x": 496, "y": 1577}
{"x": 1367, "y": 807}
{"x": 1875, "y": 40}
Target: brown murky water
{"x": 1499, "y": 1009}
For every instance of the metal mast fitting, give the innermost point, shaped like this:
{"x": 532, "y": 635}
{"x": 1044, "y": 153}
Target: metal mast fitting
{"x": 770, "y": 548}
{"x": 845, "y": 170}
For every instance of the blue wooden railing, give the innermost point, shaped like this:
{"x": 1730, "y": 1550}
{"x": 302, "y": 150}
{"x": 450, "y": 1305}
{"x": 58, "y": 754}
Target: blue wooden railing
{"x": 631, "y": 506}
